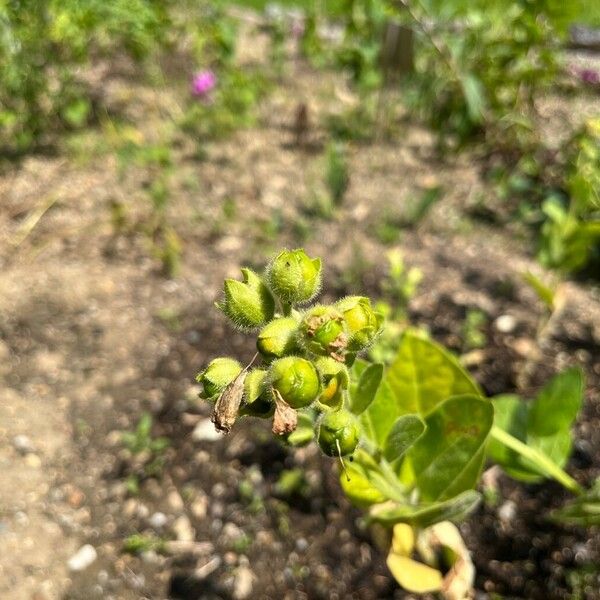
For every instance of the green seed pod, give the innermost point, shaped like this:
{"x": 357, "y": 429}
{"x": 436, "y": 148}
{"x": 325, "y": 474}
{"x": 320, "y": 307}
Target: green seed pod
{"x": 249, "y": 304}
{"x": 254, "y": 385}
{"x": 323, "y": 332}
{"x": 335, "y": 378}
{"x": 338, "y": 433}
{"x": 218, "y": 375}
{"x": 296, "y": 380}
{"x": 364, "y": 324}
{"x": 294, "y": 277}
{"x": 277, "y": 338}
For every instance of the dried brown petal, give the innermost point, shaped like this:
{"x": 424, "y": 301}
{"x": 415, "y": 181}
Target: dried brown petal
{"x": 285, "y": 418}
{"x": 228, "y": 404}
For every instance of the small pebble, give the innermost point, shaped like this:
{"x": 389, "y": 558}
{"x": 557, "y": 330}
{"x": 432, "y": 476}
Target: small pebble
{"x": 507, "y": 511}
{"x": 205, "y": 432}
{"x": 22, "y": 444}
{"x": 505, "y": 323}
{"x": 158, "y": 520}
{"x": 82, "y": 559}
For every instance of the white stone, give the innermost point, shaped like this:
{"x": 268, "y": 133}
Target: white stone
{"x": 205, "y": 432}
{"x": 82, "y": 559}
{"x": 505, "y": 323}
{"x": 158, "y": 520}
{"x": 22, "y": 444}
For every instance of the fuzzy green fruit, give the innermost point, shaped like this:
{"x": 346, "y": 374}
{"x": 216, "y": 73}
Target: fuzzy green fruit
{"x": 363, "y": 323}
{"x": 323, "y": 332}
{"x": 338, "y": 433}
{"x": 219, "y": 373}
{"x": 277, "y": 338}
{"x": 294, "y": 277}
{"x": 248, "y": 303}
{"x": 296, "y": 380}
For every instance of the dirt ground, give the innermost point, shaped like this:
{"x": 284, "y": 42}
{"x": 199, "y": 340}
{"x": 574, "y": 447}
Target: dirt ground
{"x": 92, "y": 335}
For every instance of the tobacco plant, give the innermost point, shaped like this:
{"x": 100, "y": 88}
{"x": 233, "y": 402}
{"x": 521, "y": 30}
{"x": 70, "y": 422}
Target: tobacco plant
{"x": 412, "y": 437}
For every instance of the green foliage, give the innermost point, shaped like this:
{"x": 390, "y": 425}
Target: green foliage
{"x": 543, "y": 424}
{"x": 570, "y": 235}
{"x": 141, "y": 439}
{"x": 583, "y": 511}
{"x": 483, "y": 77}
{"x": 473, "y": 330}
{"x": 42, "y": 44}
{"x": 336, "y": 175}
{"x": 139, "y": 543}
{"x": 231, "y": 106}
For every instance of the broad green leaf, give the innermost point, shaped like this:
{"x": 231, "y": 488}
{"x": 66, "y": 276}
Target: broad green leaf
{"x": 366, "y": 388}
{"x": 583, "y": 510}
{"x": 544, "y": 424}
{"x": 510, "y": 415}
{"x": 404, "y": 433}
{"x": 422, "y": 375}
{"x": 424, "y": 515}
{"x": 448, "y": 458}
{"x": 552, "y": 414}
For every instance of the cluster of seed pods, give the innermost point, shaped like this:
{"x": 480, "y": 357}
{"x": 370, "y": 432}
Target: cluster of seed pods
{"x": 305, "y": 352}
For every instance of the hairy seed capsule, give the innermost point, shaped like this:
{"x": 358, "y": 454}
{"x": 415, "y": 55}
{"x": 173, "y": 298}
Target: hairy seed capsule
{"x": 294, "y": 277}
{"x": 219, "y": 373}
{"x": 248, "y": 303}
{"x": 277, "y": 338}
{"x": 296, "y": 380}
{"x": 335, "y": 378}
{"x": 323, "y": 332}
{"x": 363, "y": 323}
{"x": 338, "y": 433}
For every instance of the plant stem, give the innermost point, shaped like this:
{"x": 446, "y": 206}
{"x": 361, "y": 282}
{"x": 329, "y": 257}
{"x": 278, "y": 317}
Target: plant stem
{"x": 547, "y": 466}
{"x": 286, "y": 308}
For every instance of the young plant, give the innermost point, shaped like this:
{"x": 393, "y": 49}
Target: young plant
{"x": 416, "y": 435}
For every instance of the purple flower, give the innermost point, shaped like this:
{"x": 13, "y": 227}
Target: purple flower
{"x": 203, "y": 83}
{"x": 590, "y": 76}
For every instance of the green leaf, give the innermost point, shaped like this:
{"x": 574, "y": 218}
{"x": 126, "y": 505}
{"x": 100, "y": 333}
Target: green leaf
{"x": 583, "y": 510}
{"x": 552, "y": 414}
{"x": 448, "y": 458}
{"x": 474, "y": 97}
{"x": 379, "y": 478}
{"x": 423, "y": 515}
{"x": 357, "y": 482}
{"x": 305, "y": 430}
{"x": 510, "y": 414}
{"x": 366, "y": 388}
{"x": 404, "y": 433}
{"x": 543, "y": 425}
{"x": 422, "y": 375}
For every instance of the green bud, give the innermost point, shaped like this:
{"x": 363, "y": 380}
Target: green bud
{"x": 338, "y": 433}
{"x": 294, "y": 277}
{"x": 248, "y": 304}
{"x": 296, "y": 380}
{"x": 277, "y": 338}
{"x": 363, "y": 323}
{"x": 218, "y": 375}
{"x": 323, "y": 332}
